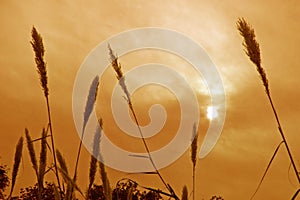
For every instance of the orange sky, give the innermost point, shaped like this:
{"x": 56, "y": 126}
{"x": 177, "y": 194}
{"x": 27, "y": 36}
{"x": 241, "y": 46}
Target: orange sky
{"x": 71, "y": 29}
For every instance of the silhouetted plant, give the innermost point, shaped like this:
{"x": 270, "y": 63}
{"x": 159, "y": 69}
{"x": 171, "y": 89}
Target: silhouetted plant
{"x": 194, "y": 147}
{"x": 96, "y": 192}
{"x": 216, "y": 198}
{"x": 17, "y": 161}
{"x": 253, "y": 52}
{"x": 121, "y": 78}
{"x": 38, "y": 48}
{"x": 4, "y": 180}
{"x": 184, "y": 195}
{"x": 32, "y": 192}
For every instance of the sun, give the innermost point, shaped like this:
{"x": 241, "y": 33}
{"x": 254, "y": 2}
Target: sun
{"x": 211, "y": 112}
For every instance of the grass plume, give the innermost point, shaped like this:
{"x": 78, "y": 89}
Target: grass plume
{"x": 31, "y": 151}
{"x": 253, "y": 52}
{"x": 119, "y": 74}
{"x": 104, "y": 177}
{"x": 65, "y": 174}
{"x": 70, "y": 181}
{"x": 96, "y": 152}
{"x": 185, "y": 194}
{"x": 252, "y": 49}
{"x": 194, "y": 147}
{"x": 90, "y": 102}
{"x": 105, "y": 181}
{"x": 38, "y": 48}
{"x": 17, "y": 160}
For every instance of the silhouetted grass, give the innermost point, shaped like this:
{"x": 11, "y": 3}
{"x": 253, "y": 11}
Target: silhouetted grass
{"x": 17, "y": 160}
{"x": 38, "y": 48}
{"x": 253, "y": 52}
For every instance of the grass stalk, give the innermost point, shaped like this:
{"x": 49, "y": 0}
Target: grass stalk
{"x": 88, "y": 110}
{"x": 253, "y": 52}
{"x": 121, "y": 78}
{"x": 38, "y": 47}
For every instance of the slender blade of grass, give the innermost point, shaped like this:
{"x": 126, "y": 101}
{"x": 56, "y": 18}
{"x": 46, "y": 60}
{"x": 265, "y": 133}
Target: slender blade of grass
{"x": 295, "y": 195}
{"x": 90, "y": 102}
{"x": 267, "y": 169}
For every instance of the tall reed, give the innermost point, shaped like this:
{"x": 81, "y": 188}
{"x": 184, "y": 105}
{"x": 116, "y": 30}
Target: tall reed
{"x": 90, "y": 102}
{"x": 38, "y": 48}
{"x": 194, "y": 147}
{"x": 121, "y": 78}
{"x": 17, "y": 160}
{"x": 253, "y": 52}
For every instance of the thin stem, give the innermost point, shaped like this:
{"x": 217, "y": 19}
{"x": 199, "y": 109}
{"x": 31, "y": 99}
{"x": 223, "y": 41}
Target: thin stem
{"x": 78, "y": 155}
{"x": 283, "y": 137}
{"x": 52, "y": 143}
{"x": 194, "y": 168}
{"x": 148, "y": 151}
{"x": 296, "y": 194}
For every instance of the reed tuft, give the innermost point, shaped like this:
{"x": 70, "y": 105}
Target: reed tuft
{"x": 90, "y": 102}
{"x": 185, "y": 194}
{"x": 94, "y": 156}
{"x": 62, "y": 162}
{"x": 66, "y": 177}
{"x": 17, "y": 160}
{"x": 38, "y": 47}
{"x": 252, "y": 49}
{"x": 105, "y": 181}
{"x": 70, "y": 181}
{"x": 194, "y": 146}
{"x": 31, "y": 151}
{"x": 104, "y": 177}
{"x": 119, "y": 74}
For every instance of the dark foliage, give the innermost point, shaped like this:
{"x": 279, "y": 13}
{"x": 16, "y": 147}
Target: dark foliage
{"x": 4, "y": 180}
{"x": 216, "y": 198}
{"x": 32, "y": 192}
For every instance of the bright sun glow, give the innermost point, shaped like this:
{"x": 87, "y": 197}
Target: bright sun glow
{"x": 211, "y": 112}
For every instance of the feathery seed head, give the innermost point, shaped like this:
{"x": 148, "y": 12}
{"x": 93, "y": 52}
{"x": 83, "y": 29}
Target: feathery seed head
{"x": 252, "y": 49}
{"x": 38, "y": 48}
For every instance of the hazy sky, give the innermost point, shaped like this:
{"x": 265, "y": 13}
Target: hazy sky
{"x": 71, "y": 29}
